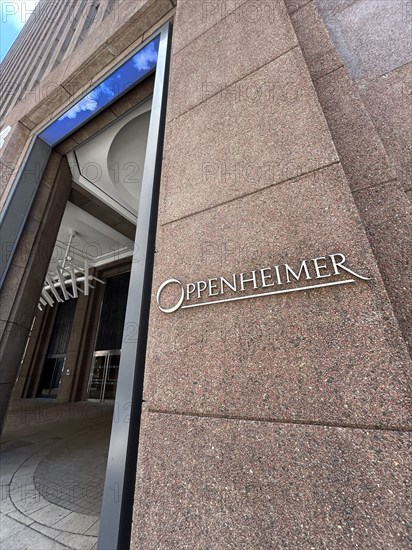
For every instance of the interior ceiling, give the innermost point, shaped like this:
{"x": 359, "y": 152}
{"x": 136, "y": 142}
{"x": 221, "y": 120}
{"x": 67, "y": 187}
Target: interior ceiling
{"x": 110, "y": 165}
{"x": 102, "y": 211}
{"x": 94, "y": 241}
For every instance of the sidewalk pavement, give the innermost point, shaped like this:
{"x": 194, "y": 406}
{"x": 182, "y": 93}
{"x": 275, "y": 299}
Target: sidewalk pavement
{"x": 52, "y": 466}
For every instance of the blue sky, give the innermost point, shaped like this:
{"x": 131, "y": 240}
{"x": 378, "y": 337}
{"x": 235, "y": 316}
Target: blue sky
{"x": 121, "y": 80}
{"x": 13, "y": 16}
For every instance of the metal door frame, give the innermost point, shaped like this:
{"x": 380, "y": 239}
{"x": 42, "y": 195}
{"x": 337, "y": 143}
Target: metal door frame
{"x": 106, "y": 354}
{"x": 118, "y": 496}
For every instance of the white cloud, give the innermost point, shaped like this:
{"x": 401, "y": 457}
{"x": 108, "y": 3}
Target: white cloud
{"x": 16, "y": 12}
{"x": 144, "y": 59}
{"x": 88, "y": 103}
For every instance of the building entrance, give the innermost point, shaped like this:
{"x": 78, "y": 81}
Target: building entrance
{"x": 106, "y": 358}
{"x": 103, "y": 375}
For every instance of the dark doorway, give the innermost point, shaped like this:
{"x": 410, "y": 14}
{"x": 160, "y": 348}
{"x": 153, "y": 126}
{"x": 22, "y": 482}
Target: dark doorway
{"x": 56, "y": 354}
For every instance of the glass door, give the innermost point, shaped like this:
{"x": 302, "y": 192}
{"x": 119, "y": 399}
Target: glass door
{"x": 112, "y": 372}
{"x": 103, "y": 375}
{"x": 97, "y": 375}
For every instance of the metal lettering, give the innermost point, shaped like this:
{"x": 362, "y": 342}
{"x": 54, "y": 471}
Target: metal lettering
{"x": 217, "y": 286}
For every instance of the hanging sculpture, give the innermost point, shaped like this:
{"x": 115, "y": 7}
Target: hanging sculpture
{"x": 67, "y": 276}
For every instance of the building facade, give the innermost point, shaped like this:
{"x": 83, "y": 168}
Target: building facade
{"x": 206, "y": 218}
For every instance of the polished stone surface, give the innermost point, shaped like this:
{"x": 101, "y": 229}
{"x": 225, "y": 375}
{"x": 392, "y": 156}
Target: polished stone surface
{"x": 387, "y": 214}
{"x": 223, "y": 55}
{"x": 319, "y": 51}
{"x": 319, "y": 356}
{"x": 235, "y": 144}
{"x": 373, "y": 37}
{"x": 221, "y": 483}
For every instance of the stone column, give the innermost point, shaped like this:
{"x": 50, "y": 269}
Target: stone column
{"x": 21, "y": 290}
{"x": 277, "y": 422}
{"x": 35, "y": 354}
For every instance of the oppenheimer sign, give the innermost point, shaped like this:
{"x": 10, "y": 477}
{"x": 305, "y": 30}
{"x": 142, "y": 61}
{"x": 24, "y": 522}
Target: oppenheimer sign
{"x": 275, "y": 276}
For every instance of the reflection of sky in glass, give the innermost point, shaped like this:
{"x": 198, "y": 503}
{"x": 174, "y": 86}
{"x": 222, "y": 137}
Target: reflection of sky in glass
{"x": 106, "y": 92}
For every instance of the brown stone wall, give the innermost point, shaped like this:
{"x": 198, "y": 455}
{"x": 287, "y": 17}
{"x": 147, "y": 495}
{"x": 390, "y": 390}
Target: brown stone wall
{"x": 278, "y": 422}
{"x": 381, "y": 199}
{"x": 374, "y": 39}
{"x": 25, "y": 277}
{"x": 35, "y": 354}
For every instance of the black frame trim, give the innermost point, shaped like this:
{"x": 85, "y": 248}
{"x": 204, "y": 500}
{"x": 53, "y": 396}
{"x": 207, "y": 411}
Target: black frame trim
{"x": 117, "y": 506}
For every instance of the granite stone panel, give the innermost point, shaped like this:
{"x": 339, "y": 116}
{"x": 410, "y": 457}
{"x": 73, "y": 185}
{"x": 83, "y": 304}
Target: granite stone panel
{"x": 47, "y": 105}
{"x": 143, "y": 19}
{"x": 8, "y": 294}
{"x": 13, "y": 338}
{"x": 237, "y": 46}
{"x": 264, "y": 129}
{"x": 217, "y": 483}
{"x": 194, "y": 18}
{"x": 13, "y": 146}
{"x": 373, "y": 37}
{"x": 22, "y": 287}
{"x": 293, "y": 5}
{"x": 387, "y": 214}
{"x": 169, "y": 17}
{"x": 18, "y": 291}
{"x": 318, "y": 50}
{"x": 22, "y": 282}
{"x": 332, "y": 355}
{"x": 10, "y": 153}
{"x": 5, "y": 392}
{"x": 124, "y": 27}
{"x": 5, "y": 177}
{"x": 389, "y": 101}
{"x": 66, "y": 146}
{"x": 87, "y": 71}
{"x": 134, "y": 97}
{"x": 361, "y": 151}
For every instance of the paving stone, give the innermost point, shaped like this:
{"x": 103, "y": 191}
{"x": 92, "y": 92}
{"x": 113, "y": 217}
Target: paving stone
{"x": 46, "y": 450}
{"x": 50, "y": 515}
{"x": 48, "y": 531}
{"x": 27, "y": 539}
{"x": 94, "y": 529}
{"x": 22, "y": 518}
{"x": 28, "y": 503}
{"x": 77, "y": 542}
{"x": 6, "y": 505}
{"x": 8, "y": 527}
{"x": 76, "y": 523}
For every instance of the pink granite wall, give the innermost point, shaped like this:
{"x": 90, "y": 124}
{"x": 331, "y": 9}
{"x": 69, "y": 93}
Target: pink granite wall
{"x": 278, "y": 422}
